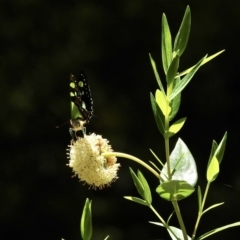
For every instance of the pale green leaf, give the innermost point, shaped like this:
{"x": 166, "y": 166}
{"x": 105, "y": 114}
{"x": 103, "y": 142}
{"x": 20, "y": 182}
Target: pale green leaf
{"x": 213, "y": 169}
{"x": 174, "y": 190}
{"x": 162, "y": 102}
{"x": 175, "y": 127}
{"x": 182, "y": 164}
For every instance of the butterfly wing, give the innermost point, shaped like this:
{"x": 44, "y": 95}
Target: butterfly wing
{"x": 81, "y": 101}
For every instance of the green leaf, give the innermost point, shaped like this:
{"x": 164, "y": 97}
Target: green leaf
{"x": 215, "y": 159}
{"x": 172, "y": 70}
{"x": 183, "y": 83}
{"x": 213, "y": 206}
{"x": 162, "y": 102}
{"x": 137, "y": 200}
{"x": 137, "y": 183}
{"x": 205, "y": 235}
{"x": 175, "y": 103}
{"x": 158, "y": 115}
{"x": 175, "y": 127}
{"x": 172, "y": 230}
{"x": 221, "y": 148}
{"x": 204, "y": 61}
{"x": 213, "y": 169}
{"x": 166, "y": 44}
{"x": 156, "y": 74}
{"x": 182, "y": 164}
{"x": 86, "y": 221}
{"x": 181, "y": 39}
{"x": 178, "y": 232}
{"x": 174, "y": 190}
{"x": 213, "y": 150}
{"x": 147, "y": 191}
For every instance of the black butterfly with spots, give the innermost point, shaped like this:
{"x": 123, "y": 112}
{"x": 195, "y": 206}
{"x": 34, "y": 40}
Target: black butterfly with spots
{"x": 81, "y": 103}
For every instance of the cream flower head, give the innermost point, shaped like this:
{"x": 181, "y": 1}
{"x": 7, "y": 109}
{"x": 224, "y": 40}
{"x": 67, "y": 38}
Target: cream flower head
{"x": 87, "y": 162}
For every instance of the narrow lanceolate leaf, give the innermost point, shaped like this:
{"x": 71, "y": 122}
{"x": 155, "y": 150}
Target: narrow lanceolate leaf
{"x": 172, "y": 70}
{"x": 216, "y": 157}
{"x": 183, "y": 83}
{"x": 175, "y": 127}
{"x": 204, "y": 61}
{"x": 86, "y": 221}
{"x": 213, "y": 150}
{"x": 156, "y": 74}
{"x": 162, "y": 102}
{"x": 175, "y": 103}
{"x": 166, "y": 44}
{"x": 181, "y": 39}
{"x": 137, "y": 200}
{"x": 205, "y": 235}
{"x": 147, "y": 191}
{"x": 213, "y": 206}
{"x": 137, "y": 183}
{"x": 221, "y": 148}
{"x": 158, "y": 115}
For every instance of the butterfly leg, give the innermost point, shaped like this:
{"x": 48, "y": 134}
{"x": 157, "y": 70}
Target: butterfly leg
{"x": 73, "y": 134}
{"x": 84, "y": 131}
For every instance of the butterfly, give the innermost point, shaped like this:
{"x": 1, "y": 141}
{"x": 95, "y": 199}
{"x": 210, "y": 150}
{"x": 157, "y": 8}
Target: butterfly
{"x": 81, "y": 103}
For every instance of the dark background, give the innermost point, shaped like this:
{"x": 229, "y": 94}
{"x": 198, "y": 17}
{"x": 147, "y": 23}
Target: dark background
{"x": 41, "y": 43}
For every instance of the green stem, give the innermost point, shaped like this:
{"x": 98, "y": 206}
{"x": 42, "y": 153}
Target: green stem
{"x": 180, "y": 220}
{"x": 124, "y": 155}
{"x": 162, "y": 220}
{"x": 200, "y": 212}
{"x": 167, "y": 158}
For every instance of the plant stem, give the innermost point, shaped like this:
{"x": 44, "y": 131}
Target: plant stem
{"x": 124, "y": 155}
{"x": 162, "y": 220}
{"x": 200, "y": 212}
{"x": 180, "y": 220}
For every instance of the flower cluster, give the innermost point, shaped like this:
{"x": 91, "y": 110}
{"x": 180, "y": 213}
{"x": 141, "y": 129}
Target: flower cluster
{"x": 89, "y": 165}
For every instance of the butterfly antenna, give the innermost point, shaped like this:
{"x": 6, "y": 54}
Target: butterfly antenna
{"x": 61, "y": 124}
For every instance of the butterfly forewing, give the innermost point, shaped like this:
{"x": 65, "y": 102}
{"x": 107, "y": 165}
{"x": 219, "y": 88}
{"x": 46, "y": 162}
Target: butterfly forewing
{"x": 81, "y": 101}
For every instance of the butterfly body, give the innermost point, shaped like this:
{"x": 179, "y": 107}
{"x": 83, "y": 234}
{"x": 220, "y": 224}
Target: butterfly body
{"x": 81, "y": 102}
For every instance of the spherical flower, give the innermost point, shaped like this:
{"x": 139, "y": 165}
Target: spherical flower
{"x": 89, "y": 165}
